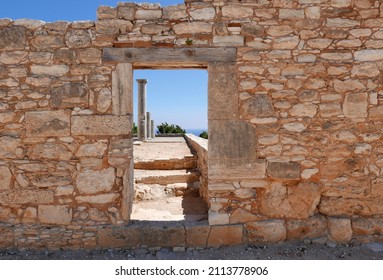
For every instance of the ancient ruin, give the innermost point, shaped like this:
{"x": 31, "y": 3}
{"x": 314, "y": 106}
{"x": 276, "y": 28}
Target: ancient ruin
{"x": 295, "y": 116}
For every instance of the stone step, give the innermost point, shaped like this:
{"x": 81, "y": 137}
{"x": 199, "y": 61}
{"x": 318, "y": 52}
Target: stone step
{"x": 165, "y": 177}
{"x": 176, "y": 208}
{"x": 154, "y": 191}
{"x": 186, "y": 162}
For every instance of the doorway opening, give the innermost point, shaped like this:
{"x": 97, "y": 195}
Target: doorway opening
{"x": 166, "y": 175}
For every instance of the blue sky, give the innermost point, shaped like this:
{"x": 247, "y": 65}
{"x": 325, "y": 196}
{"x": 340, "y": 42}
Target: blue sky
{"x": 173, "y": 96}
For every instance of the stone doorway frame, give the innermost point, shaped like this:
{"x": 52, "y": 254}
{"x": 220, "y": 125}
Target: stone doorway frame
{"x": 231, "y": 156}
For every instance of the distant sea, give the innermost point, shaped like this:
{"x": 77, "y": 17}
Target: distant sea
{"x": 195, "y": 131}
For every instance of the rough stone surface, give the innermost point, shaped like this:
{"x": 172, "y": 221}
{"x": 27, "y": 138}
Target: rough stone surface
{"x": 266, "y": 231}
{"x": 56, "y": 215}
{"x": 355, "y": 105}
{"x": 228, "y": 235}
{"x": 5, "y": 178}
{"x": 101, "y": 125}
{"x": 340, "y": 229}
{"x": 314, "y": 227}
{"x": 92, "y": 182}
{"x": 284, "y": 170}
{"x": 47, "y": 123}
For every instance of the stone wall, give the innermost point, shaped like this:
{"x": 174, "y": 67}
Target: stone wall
{"x": 200, "y": 147}
{"x": 295, "y": 129}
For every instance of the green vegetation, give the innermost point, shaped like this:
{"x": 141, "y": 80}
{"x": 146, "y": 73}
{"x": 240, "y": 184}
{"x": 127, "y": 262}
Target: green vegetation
{"x": 204, "y": 135}
{"x": 134, "y": 129}
{"x": 165, "y": 128}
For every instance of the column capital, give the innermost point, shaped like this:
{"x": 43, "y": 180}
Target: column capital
{"x": 142, "y": 81}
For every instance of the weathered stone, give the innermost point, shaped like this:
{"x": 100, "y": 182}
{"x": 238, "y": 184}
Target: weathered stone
{"x": 31, "y": 24}
{"x": 97, "y": 199}
{"x": 97, "y": 149}
{"x": 313, "y": 227}
{"x": 367, "y": 226}
{"x": 45, "y": 42}
{"x": 154, "y": 29}
{"x": 89, "y": 55}
{"x": 70, "y": 95}
{"x": 242, "y": 216}
{"x": 47, "y": 123}
{"x": 286, "y": 43}
{"x": 280, "y": 30}
{"x": 102, "y": 125}
{"x": 25, "y": 196}
{"x": 284, "y": 170}
{"x": 293, "y": 70}
{"x": 197, "y": 235}
{"x": 106, "y": 12}
{"x": 203, "y": 14}
{"x": 319, "y": 43}
{"x": 341, "y": 23}
{"x": 225, "y": 235}
{"x": 5, "y": 178}
{"x": 92, "y": 182}
{"x": 78, "y": 39}
{"x": 113, "y": 26}
{"x": 56, "y": 215}
{"x": 148, "y": 14}
{"x": 348, "y": 86}
{"x": 340, "y": 229}
{"x": 125, "y": 11}
{"x": 369, "y": 55}
{"x": 355, "y": 105}
{"x": 49, "y": 151}
{"x": 294, "y": 127}
{"x": 336, "y": 56}
{"x": 12, "y": 38}
{"x": 253, "y": 29}
{"x": 216, "y": 218}
{"x": 285, "y": 201}
{"x": 64, "y": 190}
{"x": 10, "y": 82}
{"x": 233, "y": 40}
{"x": 367, "y": 69}
{"x": 258, "y": 106}
{"x": 237, "y": 11}
{"x": 192, "y": 28}
{"x": 279, "y": 54}
{"x": 16, "y": 57}
{"x": 6, "y": 117}
{"x": 175, "y": 12}
{"x": 340, "y": 3}
{"x": 52, "y": 70}
{"x": 364, "y": 4}
{"x": 270, "y": 231}
{"x": 313, "y": 12}
{"x": 376, "y": 112}
{"x": 120, "y": 152}
{"x": 104, "y": 100}
{"x": 10, "y": 147}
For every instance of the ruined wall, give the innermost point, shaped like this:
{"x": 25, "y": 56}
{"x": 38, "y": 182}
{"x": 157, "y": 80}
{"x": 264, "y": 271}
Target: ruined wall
{"x": 295, "y": 150}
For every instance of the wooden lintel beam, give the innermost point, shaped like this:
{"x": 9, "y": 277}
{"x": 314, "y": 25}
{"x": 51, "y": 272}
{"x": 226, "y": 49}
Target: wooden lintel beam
{"x": 169, "y": 56}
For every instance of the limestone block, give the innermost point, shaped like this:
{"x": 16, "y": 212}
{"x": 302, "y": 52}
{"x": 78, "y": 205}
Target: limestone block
{"x": 355, "y": 105}
{"x": 78, "y": 39}
{"x": 126, "y": 11}
{"x": 89, "y": 55}
{"x": 38, "y": 81}
{"x": 306, "y": 58}
{"x": 119, "y": 237}
{"x": 242, "y": 216}
{"x": 291, "y": 14}
{"x": 330, "y": 110}
{"x": 207, "y": 13}
{"x": 113, "y": 26}
{"x": 6, "y": 117}
{"x": 257, "y": 106}
{"x": 237, "y": 169}
{"x": 216, "y": 218}
{"x": 10, "y": 148}
{"x": 284, "y": 170}
{"x": 240, "y": 135}
{"x": 233, "y": 40}
{"x": 348, "y": 86}
{"x": 102, "y": 125}
{"x": 269, "y": 231}
{"x": 308, "y": 173}
{"x": 92, "y": 150}
{"x": 280, "y": 30}
{"x": 56, "y": 215}
{"x": 12, "y": 38}
{"x": 336, "y": 56}
{"x": 340, "y": 3}
{"x": 47, "y": 123}
{"x": 175, "y": 12}
{"x": 49, "y": 151}
{"x": 286, "y": 43}
{"x": 313, "y": 227}
{"x": 64, "y": 190}
{"x": 122, "y": 89}
{"x": 281, "y": 201}
{"x": 279, "y": 54}
{"x": 192, "y": 28}
{"x": 104, "y": 100}
{"x": 47, "y": 42}
{"x": 148, "y": 14}
{"x": 293, "y": 70}
{"x": 92, "y": 182}
{"x": 70, "y": 95}
{"x": 340, "y": 229}
{"x": 321, "y": 43}
{"x": 341, "y": 23}
{"x": 197, "y": 235}
{"x": 376, "y": 112}
{"x": 120, "y": 152}
{"x": 223, "y": 91}
{"x": 364, "y": 4}
{"x": 369, "y": 55}
{"x": 237, "y": 11}
{"x": 367, "y": 69}
{"x": 16, "y": 57}
{"x": 5, "y": 178}
{"x": 367, "y": 226}
{"x": 304, "y": 110}
{"x": 30, "y": 214}
{"x": 225, "y": 235}
{"x": 10, "y": 82}
{"x": 50, "y": 70}
{"x": 97, "y": 199}
{"x": 106, "y": 12}
{"x": 50, "y": 180}
{"x": 312, "y": 12}
{"x": 25, "y": 196}
{"x": 155, "y": 29}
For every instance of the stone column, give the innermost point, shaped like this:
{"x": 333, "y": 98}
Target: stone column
{"x": 148, "y": 125}
{"x": 152, "y": 129}
{"x": 141, "y": 126}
